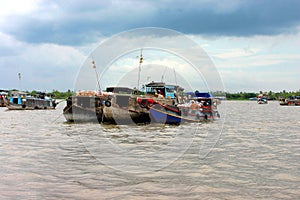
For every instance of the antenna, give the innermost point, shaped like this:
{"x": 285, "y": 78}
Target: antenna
{"x": 97, "y": 76}
{"x": 140, "y": 69}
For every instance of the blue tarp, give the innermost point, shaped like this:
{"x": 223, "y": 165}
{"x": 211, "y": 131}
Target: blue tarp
{"x": 203, "y": 94}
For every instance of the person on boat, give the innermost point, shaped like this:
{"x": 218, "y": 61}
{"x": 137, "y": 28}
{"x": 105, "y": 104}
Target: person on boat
{"x": 194, "y": 106}
{"x": 160, "y": 94}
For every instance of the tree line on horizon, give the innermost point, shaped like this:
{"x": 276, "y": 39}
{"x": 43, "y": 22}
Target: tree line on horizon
{"x": 269, "y": 95}
{"x": 230, "y": 96}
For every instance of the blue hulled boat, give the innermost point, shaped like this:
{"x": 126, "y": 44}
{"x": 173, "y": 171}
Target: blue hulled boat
{"x": 198, "y": 107}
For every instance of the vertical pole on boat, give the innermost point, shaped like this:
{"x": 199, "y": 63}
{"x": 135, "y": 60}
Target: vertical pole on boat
{"x": 140, "y": 69}
{"x": 20, "y": 82}
{"x": 177, "y": 99}
{"x": 175, "y": 76}
{"x": 97, "y": 76}
{"x": 163, "y": 76}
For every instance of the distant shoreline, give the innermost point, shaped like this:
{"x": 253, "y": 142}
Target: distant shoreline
{"x": 229, "y": 96}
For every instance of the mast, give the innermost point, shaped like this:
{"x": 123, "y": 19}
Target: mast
{"x": 140, "y": 69}
{"x": 177, "y": 93}
{"x": 97, "y": 76}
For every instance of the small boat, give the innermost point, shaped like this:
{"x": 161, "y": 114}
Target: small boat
{"x": 290, "y": 101}
{"x": 261, "y": 99}
{"x": 196, "y": 110}
{"x": 24, "y": 101}
{"x": 199, "y": 106}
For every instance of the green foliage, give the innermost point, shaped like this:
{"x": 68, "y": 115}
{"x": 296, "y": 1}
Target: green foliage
{"x": 270, "y": 95}
{"x": 61, "y": 95}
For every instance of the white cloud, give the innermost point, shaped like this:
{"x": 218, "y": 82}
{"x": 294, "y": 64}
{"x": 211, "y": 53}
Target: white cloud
{"x": 12, "y": 7}
{"x": 43, "y": 66}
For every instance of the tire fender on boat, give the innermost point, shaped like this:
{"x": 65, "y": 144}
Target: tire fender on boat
{"x": 107, "y": 103}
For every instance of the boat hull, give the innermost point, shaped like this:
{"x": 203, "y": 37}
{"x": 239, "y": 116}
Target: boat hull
{"x": 21, "y": 107}
{"x": 80, "y": 114}
{"x": 289, "y": 103}
{"x": 119, "y": 115}
{"x": 159, "y": 114}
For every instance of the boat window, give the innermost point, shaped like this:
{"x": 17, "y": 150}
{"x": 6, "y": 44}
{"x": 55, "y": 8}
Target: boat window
{"x": 15, "y": 100}
{"x": 171, "y": 90}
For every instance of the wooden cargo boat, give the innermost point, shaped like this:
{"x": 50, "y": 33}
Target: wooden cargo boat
{"x": 117, "y": 105}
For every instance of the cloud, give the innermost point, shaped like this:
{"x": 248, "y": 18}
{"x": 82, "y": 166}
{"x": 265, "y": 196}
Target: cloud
{"x": 247, "y": 40}
{"x": 255, "y": 63}
{"x": 43, "y": 66}
{"x": 79, "y": 22}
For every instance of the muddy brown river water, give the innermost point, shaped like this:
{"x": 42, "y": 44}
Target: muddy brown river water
{"x": 252, "y": 153}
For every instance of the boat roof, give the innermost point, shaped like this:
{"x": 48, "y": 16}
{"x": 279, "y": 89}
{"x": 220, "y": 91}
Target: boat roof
{"x": 119, "y": 90}
{"x": 200, "y": 94}
{"x": 157, "y": 84}
{"x": 18, "y": 93}
{"x": 163, "y": 85}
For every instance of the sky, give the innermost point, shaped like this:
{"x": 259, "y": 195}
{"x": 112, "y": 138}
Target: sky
{"x": 254, "y": 45}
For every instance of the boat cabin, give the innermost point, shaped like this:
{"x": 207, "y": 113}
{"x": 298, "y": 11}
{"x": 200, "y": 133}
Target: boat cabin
{"x": 16, "y": 98}
{"x": 23, "y": 100}
{"x": 160, "y": 88}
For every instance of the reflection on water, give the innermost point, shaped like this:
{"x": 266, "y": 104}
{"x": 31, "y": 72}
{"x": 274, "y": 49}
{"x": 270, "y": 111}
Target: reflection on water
{"x": 254, "y": 155}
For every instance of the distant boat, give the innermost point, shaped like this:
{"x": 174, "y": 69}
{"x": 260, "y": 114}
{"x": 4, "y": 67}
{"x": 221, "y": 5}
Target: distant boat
{"x": 253, "y": 99}
{"x": 290, "y": 101}
{"x": 24, "y": 101}
{"x": 261, "y": 99}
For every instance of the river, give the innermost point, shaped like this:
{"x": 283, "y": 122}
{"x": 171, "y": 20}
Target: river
{"x": 253, "y": 152}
